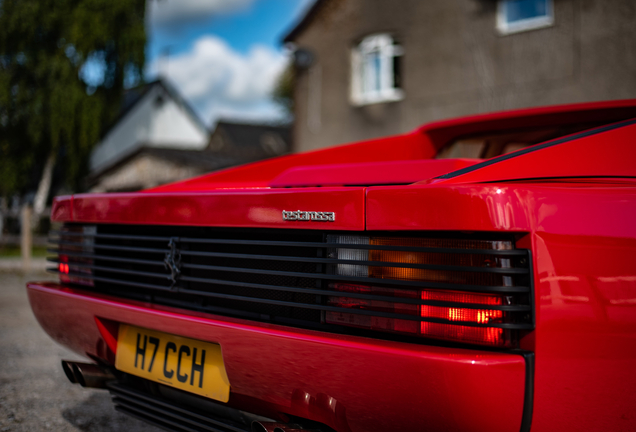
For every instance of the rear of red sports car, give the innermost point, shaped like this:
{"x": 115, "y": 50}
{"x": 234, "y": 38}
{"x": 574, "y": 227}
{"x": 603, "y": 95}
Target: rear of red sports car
{"x": 384, "y": 285}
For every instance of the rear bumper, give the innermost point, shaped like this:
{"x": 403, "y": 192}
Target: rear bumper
{"x": 348, "y": 383}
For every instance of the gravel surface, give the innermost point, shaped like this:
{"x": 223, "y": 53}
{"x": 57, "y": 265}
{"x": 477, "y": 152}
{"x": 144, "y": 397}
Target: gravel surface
{"x": 35, "y": 395}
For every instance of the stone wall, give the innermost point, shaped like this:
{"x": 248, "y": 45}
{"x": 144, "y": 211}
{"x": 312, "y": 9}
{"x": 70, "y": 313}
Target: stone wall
{"x": 456, "y": 63}
{"x": 142, "y": 172}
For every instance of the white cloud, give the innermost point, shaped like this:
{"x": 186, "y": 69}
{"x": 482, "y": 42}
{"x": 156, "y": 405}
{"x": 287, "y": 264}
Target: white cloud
{"x": 180, "y": 11}
{"x": 221, "y": 82}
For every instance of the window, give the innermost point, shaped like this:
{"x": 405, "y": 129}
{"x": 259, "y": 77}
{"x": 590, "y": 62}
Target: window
{"x": 520, "y": 15}
{"x": 376, "y": 70}
{"x": 488, "y": 145}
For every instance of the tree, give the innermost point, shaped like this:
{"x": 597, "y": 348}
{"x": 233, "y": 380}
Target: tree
{"x": 63, "y": 67}
{"x": 283, "y": 92}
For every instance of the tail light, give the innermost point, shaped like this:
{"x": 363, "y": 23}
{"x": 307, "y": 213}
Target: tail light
{"x": 471, "y": 291}
{"x": 75, "y": 246}
{"x": 63, "y": 268}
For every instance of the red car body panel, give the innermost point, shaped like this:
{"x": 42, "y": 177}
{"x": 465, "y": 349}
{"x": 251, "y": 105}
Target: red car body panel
{"x": 225, "y": 208}
{"x": 351, "y": 174}
{"x": 566, "y": 158}
{"x": 585, "y": 283}
{"x": 572, "y": 202}
{"x": 422, "y": 143}
{"x": 323, "y": 377}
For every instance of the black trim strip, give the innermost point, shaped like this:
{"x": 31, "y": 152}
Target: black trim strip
{"x": 112, "y": 247}
{"x": 120, "y": 270}
{"x": 147, "y": 412}
{"x": 531, "y": 284}
{"x": 440, "y": 267}
{"x": 359, "y": 262}
{"x": 155, "y": 404}
{"x": 398, "y": 300}
{"x": 511, "y": 326}
{"x": 312, "y": 245}
{"x": 115, "y": 281}
{"x": 100, "y": 257}
{"x": 370, "y": 281}
{"x": 566, "y": 178}
{"x": 199, "y": 284}
{"x": 374, "y": 281}
{"x": 109, "y": 236}
{"x": 169, "y": 416}
{"x": 332, "y": 293}
{"x": 536, "y": 147}
{"x": 528, "y": 402}
{"x": 515, "y": 326}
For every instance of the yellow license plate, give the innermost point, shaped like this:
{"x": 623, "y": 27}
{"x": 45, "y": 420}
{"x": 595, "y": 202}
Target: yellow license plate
{"x": 187, "y": 364}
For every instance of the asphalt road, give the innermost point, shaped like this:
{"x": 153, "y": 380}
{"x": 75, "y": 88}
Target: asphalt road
{"x": 34, "y": 393}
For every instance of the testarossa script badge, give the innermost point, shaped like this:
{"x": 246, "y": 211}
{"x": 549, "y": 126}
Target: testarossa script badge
{"x": 299, "y": 215}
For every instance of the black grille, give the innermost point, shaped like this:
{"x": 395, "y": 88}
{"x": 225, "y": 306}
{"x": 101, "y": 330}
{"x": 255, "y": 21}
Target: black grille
{"x": 169, "y": 414}
{"x": 286, "y": 276}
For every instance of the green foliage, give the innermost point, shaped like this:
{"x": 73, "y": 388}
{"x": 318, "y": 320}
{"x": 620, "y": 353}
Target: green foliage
{"x": 15, "y": 251}
{"x": 49, "y": 100}
{"x": 284, "y": 90}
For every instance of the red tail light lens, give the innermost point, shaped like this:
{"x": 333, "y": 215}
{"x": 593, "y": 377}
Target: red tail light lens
{"x": 63, "y": 269}
{"x": 75, "y": 241}
{"x": 480, "y": 316}
{"x": 368, "y": 321}
{"x": 479, "y": 335}
{"x": 476, "y": 335}
{"x": 460, "y": 333}
{"x": 453, "y": 313}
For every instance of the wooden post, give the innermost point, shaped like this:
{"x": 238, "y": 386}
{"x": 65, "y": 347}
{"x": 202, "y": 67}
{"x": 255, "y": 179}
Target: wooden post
{"x": 26, "y": 240}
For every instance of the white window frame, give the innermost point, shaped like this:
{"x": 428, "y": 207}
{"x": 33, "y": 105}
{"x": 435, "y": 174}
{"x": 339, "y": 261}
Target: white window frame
{"x": 504, "y": 27}
{"x": 362, "y": 89}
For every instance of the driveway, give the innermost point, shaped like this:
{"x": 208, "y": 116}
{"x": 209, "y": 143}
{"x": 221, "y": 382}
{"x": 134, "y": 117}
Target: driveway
{"x": 35, "y": 395}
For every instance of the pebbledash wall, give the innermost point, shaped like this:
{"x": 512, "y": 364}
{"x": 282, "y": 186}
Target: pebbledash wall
{"x": 455, "y": 60}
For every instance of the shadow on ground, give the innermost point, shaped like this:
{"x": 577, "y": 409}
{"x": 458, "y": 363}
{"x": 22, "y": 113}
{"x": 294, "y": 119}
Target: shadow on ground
{"x": 96, "y": 414}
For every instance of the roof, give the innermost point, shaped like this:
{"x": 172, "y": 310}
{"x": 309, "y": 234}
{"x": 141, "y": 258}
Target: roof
{"x": 119, "y": 140}
{"x": 207, "y": 161}
{"x": 304, "y": 21}
{"x": 134, "y": 95}
{"x": 194, "y": 158}
{"x": 249, "y": 135}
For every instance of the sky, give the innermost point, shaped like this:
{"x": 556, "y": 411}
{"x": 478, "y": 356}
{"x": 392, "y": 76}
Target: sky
{"x": 223, "y": 56}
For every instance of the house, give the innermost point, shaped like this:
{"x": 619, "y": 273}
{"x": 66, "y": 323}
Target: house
{"x": 249, "y": 142}
{"x": 148, "y": 167}
{"x": 378, "y": 67}
{"x": 140, "y": 149}
{"x": 158, "y": 139}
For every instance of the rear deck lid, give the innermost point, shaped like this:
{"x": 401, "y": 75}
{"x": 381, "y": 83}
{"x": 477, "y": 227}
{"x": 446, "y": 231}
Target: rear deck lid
{"x": 368, "y": 174}
{"x": 309, "y": 208}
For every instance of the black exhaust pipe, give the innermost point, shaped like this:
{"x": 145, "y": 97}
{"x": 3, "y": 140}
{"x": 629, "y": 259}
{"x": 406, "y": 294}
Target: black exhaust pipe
{"x": 68, "y": 371}
{"x": 86, "y": 374}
